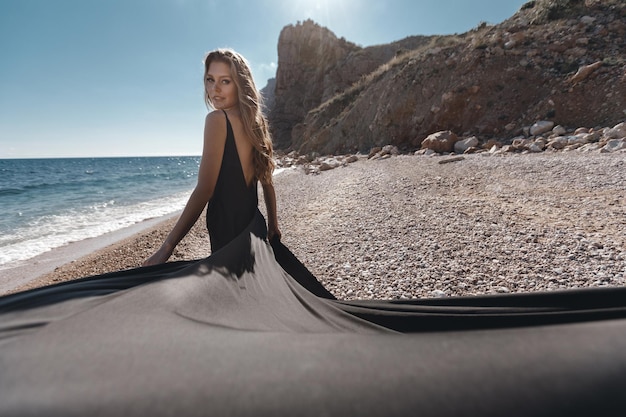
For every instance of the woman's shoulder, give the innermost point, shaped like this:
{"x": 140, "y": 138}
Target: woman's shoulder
{"x": 215, "y": 127}
{"x": 216, "y": 118}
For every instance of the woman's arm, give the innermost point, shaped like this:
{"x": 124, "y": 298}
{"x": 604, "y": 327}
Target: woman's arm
{"x": 212, "y": 153}
{"x": 272, "y": 217}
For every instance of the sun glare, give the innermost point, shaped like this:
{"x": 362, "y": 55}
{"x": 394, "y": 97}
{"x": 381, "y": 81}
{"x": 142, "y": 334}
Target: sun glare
{"x": 324, "y": 12}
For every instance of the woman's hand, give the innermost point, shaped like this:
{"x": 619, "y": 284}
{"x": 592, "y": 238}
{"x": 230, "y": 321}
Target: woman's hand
{"x": 273, "y": 233}
{"x": 159, "y": 257}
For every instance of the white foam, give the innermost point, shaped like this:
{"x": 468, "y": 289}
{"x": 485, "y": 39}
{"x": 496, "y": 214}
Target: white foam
{"x": 53, "y": 231}
{"x": 49, "y": 232}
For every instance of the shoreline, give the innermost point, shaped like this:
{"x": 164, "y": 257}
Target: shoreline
{"x": 41, "y": 269}
{"x": 119, "y": 250}
{"x": 412, "y": 227}
{"x": 20, "y": 273}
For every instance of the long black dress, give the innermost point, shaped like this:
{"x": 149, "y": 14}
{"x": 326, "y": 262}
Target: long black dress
{"x": 249, "y": 331}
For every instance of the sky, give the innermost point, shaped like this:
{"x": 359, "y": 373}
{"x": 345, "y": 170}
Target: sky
{"x": 95, "y": 78}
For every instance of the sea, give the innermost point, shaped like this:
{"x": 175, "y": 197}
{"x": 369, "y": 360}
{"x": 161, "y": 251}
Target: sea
{"x": 48, "y": 203}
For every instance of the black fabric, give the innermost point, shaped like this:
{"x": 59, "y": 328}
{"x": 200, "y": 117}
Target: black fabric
{"x": 249, "y": 331}
{"x": 233, "y": 203}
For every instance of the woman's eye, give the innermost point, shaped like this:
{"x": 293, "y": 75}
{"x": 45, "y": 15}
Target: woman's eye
{"x": 209, "y": 80}
{"x": 225, "y": 81}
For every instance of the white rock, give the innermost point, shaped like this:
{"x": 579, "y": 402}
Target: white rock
{"x": 617, "y": 132}
{"x": 540, "y": 127}
{"x": 390, "y": 150}
{"x": 614, "y": 145}
{"x": 558, "y": 143}
{"x": 438, "y": 293}
{"x": 559, "y": 130}
{"x": 464, "y": 144}
{"x": 577, "y": 140}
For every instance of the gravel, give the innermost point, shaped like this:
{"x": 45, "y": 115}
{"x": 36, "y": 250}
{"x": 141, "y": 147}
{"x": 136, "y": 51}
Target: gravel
{"x": 411, "y": 227}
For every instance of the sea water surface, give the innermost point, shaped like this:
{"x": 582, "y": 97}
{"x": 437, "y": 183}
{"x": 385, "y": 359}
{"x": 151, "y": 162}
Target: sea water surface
{"x": 47, "y": 203}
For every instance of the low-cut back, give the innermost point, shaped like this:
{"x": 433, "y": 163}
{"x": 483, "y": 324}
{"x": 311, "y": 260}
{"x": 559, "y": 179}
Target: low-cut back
{"x": 234, "y": 202}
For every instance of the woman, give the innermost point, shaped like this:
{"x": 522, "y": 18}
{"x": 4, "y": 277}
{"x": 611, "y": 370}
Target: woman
{"x": 237, "y": 153}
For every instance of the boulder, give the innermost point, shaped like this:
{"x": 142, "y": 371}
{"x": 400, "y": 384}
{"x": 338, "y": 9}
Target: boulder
{"x": 440, "y": 142}
{"x": 540, "y": 127}
{"x": 559, "y": 130}
{"x": 463, "y": 145}
{"x": 614, "y": 145}
{"x": 617, "y": 132}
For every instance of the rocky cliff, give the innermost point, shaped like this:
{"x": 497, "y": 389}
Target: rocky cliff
{"x": 557, "y": 60}
{"x": 268, "y": 94}
{"x": 314, "y": 66}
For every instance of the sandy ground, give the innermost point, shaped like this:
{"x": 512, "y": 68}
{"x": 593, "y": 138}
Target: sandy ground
{"x": 410, "y": 226}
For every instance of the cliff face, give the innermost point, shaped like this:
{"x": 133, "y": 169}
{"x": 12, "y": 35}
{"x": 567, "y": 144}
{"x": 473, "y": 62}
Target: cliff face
{"x": 268, "y": 94}
{"x": 560, "y": 60}
{"x": 314, "y": 66}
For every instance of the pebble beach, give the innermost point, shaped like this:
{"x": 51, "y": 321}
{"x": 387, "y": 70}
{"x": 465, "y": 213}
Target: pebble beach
{"x": 411, "y": 226}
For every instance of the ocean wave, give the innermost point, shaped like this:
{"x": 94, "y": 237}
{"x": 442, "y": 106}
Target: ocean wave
{"x": 11, "y": 191}
{"x": 51, "y": 231}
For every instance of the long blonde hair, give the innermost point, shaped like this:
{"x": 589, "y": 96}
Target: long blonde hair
{"x": 250, "y": 105}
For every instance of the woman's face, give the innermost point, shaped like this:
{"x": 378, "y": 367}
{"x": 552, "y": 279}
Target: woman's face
{"x": 220, "y": 86}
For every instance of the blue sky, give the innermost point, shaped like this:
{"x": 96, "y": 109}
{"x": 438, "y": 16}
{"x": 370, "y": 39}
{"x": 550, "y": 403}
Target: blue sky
{"x": 124, "y": 77}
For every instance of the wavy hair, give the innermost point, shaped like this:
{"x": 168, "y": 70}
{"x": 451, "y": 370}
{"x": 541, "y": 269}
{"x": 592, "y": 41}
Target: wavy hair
{"x": 250, "y": 105}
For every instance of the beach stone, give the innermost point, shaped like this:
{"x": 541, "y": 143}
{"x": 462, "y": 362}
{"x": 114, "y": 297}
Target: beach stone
{"x": 614, "y": 145}
{"x": 438, "y": 294}
{"x": 463, "y": 145}
{"x": 577, "y": 140}
{"x": 521, "y": 144}
{"x": 540, "y": 127}
{"x": 590, "y": 147}
{"x": 591, "y": 137}
{"x": 329, "y": 163}
{"x": 375, "y": 150}
{"x": 389, "y": 150}
{"x": 559, "y": 130}
{"x": 558, "y": 143}
{"x": 441, "y": 142}
{"x": 617, "y": 132}
{"x": 385, "y": 152}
